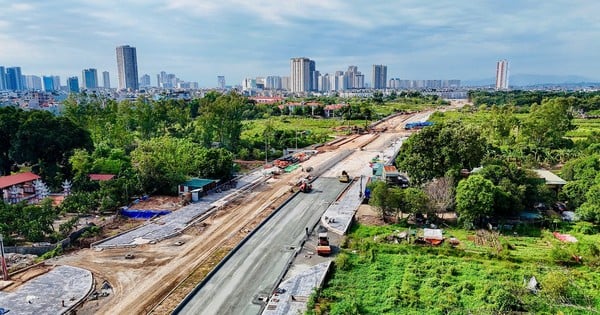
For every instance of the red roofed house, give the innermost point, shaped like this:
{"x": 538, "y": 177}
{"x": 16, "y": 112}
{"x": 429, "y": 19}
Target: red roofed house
{"x": 266, "y": 99}
{"x": 101, "y": 177}
{"x": 329, "y": 109}
{"x": 14, "y": 187}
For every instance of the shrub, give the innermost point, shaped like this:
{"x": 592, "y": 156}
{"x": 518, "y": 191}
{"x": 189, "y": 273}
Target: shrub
{"x": 586, "y": 228}
{"x": 343, "y": 261}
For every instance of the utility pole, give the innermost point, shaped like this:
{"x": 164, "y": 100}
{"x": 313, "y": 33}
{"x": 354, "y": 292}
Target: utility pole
{"x": 3, "y": 261}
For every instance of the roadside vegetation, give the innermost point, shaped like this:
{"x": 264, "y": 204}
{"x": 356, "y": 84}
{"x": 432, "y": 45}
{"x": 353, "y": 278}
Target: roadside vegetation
{"x": 477, "y": 163}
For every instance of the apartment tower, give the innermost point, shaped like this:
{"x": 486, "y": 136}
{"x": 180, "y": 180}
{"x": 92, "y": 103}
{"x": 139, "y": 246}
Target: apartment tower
{"x": 127, "y": 66}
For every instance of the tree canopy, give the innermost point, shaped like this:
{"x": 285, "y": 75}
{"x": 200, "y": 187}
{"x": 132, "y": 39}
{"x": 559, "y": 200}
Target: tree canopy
{"x": 440, "y": 148}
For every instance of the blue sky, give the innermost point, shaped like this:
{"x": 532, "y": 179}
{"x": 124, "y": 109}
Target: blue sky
{"x": 200, "y": 39}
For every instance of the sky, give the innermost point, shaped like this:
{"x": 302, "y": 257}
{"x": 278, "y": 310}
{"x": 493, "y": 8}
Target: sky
{"x": 200, "y": 39}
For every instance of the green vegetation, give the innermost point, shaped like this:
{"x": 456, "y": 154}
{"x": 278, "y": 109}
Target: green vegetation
{"x": 376, "y": 276}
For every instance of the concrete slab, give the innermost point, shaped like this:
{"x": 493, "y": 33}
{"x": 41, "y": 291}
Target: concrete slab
{"x": 46, "y": 293}
{"x": 338, "y": 217}
{"x": 292, "y": 295}
{"x": 244, "y": 282}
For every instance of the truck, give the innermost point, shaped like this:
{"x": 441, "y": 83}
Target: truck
{"x": 344, "y": 178}
{"x": 323, "y": 247}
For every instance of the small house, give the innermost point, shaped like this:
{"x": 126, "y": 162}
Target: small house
{"x": 18, "y": 187}
{"x": 552, "y": 180}
{"x": 197, "y": 187}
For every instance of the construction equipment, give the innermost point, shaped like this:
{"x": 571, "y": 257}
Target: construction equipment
{"x": 305, "y": 187}
{"x": 323, "y": 247}
{"x": 344, "y": 178}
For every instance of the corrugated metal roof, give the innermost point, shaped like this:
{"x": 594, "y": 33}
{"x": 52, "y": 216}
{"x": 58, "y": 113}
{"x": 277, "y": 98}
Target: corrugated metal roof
{"x": 198, "y": 182}
{"x": 101, "y": 177}
{"x": 549, "y": 177}
{"x": 7, "y": 181}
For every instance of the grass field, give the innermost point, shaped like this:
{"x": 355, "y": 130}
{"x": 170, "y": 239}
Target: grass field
{"x": 376, "y": 276}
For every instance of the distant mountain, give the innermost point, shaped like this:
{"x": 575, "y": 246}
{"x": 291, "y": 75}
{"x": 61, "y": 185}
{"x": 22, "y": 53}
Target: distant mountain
{"x": 532, "y": 79}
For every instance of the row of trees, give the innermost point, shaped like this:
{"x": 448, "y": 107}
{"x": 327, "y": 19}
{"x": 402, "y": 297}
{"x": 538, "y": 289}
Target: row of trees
{"x": 39, "y": 139}
{"x": 579, "y": 101}
{"x": 505, "y": 145}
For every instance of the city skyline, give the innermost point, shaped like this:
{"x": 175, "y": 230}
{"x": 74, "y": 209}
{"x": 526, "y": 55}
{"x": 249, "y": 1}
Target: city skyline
{"x": 415, "y": 40}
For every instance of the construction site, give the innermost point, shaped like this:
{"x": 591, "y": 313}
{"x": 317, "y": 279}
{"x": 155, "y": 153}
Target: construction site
{"x": 235, "y": 251}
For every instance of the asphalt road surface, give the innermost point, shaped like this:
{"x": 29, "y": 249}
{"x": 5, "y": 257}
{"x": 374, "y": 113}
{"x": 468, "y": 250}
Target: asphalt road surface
{"x": 254, "y": 270}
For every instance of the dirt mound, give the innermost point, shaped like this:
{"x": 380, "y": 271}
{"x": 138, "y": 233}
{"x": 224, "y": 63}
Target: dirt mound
{"x": 157, "y": 203}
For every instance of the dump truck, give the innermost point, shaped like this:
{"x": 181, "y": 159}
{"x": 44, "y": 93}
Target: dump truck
{"x": 323, "y": 247}
{"x": 344, "y": 178}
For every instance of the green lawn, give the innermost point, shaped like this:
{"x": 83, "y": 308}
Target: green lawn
{"x": 374, "y": 276}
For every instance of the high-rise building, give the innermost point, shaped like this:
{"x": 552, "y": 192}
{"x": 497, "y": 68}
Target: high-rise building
{"x": 502, "y": 75}
{"x": 90, "y": 78}
{"x": 14, "y": 79}
{"x": 273, "y": 83}
{"x": 56, "y": 82}
{"x": 221, "y": 82}
{"x": 73, "y": 84}
{"x": 33, "y": 82}
{"x": 2, "y": 78}
{"x": 285, "y": 83}
{"x": 145, "y": 81}
{"x": 353, "y": 79}
{"x": 379, "y": 78}
{"x": 106, "y": 79}
{"x": 49, "y": 83}
{"x": 313, "y": 74}
{"x": 324, "y": 83}
{"x": 127, "y": 66}
{"x": 300, "y": 74}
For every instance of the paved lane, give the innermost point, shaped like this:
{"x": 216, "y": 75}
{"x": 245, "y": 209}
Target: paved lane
{"x": 254, "y": 270}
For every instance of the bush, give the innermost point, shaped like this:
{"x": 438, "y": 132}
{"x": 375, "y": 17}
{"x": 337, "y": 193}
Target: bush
{"x": 586, "y": 228}
{"x": 343, "y": 262}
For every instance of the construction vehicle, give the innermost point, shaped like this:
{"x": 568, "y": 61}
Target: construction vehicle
{"x": 323, "y": 247}
{"x": 344, "y": 178}
{"x": 305, "y": 186}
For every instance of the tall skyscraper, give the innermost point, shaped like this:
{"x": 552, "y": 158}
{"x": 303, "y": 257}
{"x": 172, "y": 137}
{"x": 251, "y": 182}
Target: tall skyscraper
{"x": 49, "y": 83}
{"x": 2, "y": 78}
{"x": 221, "y": 82}
{"x": 127, "y": 66}
{"x": 90, "y": 78}
{"x": 502, "y": 75}
{"x": 300, "y": 74}
{"x": 106, "y": 79}
{"x": 145, "y": 81}
{"x": 313, "y": 76}
{"x": 56, "y": 82}
{"x": 379, "y": 78}
{"x": 33, "y": 82}
{"x": 73, "y": 84}
{"x": 14, "y": 79}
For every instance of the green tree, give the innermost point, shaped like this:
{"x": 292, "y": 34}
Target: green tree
{"x": 590, "y": 209}
{"x": 547, "y": 124}
{"x": 474, "y": 199}
{"x": 435, "y": 150}
{"x": 415, "y": 200}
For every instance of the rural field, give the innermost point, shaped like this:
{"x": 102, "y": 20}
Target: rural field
{"x": 484, "y": 274}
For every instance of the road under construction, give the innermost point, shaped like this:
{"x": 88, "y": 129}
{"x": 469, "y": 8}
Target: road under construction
{"x": 162, "y": 272}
